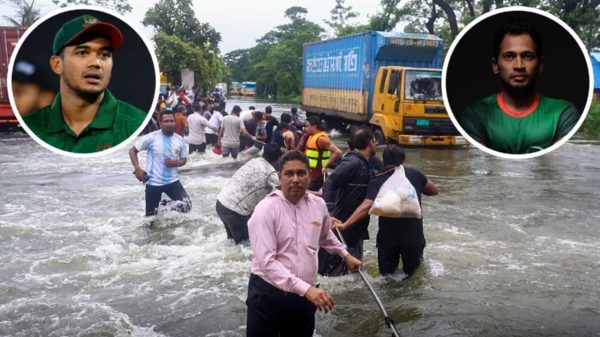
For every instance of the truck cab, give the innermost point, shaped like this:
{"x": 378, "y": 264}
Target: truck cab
{"x": 408, "y": 107}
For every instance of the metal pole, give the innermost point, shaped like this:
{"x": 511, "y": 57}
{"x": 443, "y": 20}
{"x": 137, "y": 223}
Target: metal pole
{"x": 388, "y": 321}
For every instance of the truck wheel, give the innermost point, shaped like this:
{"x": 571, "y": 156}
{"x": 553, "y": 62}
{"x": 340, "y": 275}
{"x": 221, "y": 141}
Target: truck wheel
{"x": 379, "y": 136}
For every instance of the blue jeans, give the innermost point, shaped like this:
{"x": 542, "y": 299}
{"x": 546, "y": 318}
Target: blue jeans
{"x": 175, "y": 191}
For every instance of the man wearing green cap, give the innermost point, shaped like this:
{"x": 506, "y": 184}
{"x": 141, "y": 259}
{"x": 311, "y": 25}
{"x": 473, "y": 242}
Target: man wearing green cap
{"x": 85, "y": 117}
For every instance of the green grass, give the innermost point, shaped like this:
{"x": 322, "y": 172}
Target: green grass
{"x": 591, "y": 126}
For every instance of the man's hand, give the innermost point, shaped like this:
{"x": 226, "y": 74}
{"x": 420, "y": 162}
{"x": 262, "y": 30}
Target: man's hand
{"x": 171, "y": 162}
{"x": 337, "y": 223}
{"x": 320, "y": 298}
{"x": 353, "y": 263}
{"x": 139, "y": 174}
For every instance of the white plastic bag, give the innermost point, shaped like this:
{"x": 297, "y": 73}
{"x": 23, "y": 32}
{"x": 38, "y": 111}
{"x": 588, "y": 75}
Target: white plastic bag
{"x": 397, "y": 198}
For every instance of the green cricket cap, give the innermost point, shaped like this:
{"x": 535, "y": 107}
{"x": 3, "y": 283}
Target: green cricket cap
{"x": 72, "y": 31}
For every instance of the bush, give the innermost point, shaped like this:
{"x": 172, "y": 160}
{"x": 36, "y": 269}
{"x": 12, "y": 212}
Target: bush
{"x": 591, "y": 126}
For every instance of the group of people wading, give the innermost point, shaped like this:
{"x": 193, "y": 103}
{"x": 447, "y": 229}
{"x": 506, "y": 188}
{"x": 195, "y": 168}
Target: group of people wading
{"x": 287, "y": 207}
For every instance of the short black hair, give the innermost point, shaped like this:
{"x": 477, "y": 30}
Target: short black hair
{"x": 271, "y": 152}
{"x": 166, "y": 112}
{"x": 294, "y": 110}
{"x": 361, "y": 138}
{"x": 283, "y": 126}
{"x": 258, "y": 115}
{"x": 268, "y": 109}
{"x": 517, "y": 26}
{"x": 293, "y": 155}
{"x": 251, "y": 107}
{"x": 286, "y": 118}
{"x": 181, "y": 108}
{"x": 236, "y": 109}
{"x": 393, "y": 155}
{"x": 314, "y": 120}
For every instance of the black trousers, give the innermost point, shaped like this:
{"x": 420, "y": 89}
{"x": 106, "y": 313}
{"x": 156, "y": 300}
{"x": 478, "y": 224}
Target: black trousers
{"x": 198, "y": 148}
{"x": 389, "y": 254}
{"x": 275, "y": 313}
{"x": 175, "y": 191}
{"x": 211, "y": 139}
{"x": 236, "y": 225}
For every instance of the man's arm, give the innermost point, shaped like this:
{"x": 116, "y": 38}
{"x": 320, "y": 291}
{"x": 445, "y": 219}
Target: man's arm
{"x": 566, "y": 122}
{"x": 327, "y": 144}
{"x": 221, "y": 131}
{"x": 206, "y": 123}
{"x": 430, "y": 189}
{"x": 137, "y": 170}
{"x": 358, "y": 214}
{"x": 175, "y": 162}
{"x": 332, "y": 245}
{"x": 245, "y": 133}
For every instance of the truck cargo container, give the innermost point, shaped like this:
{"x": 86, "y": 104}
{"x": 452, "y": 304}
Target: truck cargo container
{"x": 9, "y": 36}
{"x": 389, "y": 80}
{"x": 248, "y": 89}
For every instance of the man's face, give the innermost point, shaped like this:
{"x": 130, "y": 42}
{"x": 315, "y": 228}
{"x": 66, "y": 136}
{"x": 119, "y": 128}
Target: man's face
{"x": 311, "y": 129}
{"x": 85, "y": 68}
{"x": 518, "y": 63}
{"x": 294, "y": 180}
{"x": 167, "y": 124}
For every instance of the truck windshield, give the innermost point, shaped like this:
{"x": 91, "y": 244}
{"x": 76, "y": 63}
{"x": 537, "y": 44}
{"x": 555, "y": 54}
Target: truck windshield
{"x": 423, "y": 85}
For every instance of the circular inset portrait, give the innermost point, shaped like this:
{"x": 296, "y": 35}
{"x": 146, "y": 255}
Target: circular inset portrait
{"x": 517, "y": 82}
{"x": 82, "y": 81}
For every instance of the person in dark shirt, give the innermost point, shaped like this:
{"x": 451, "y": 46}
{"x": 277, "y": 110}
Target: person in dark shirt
{"x": 397, "y": 237}
{"x": 272, "y": 122}
{"x": 343, "y": 191}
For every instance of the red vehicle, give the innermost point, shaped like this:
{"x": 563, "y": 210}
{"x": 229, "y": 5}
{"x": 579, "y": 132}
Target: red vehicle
{"x": 8, "y": 41}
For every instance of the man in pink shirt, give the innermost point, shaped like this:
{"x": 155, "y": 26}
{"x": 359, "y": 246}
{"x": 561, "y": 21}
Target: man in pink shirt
{"x": 286, "y": 230}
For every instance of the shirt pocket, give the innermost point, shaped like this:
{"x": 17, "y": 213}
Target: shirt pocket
{"x": 314, "y": 235}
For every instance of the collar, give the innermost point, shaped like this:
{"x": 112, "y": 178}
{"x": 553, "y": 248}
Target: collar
{"x": 103, "y": 120}
{"x": 517, "y": 114}
{"x": 279, "y": 194}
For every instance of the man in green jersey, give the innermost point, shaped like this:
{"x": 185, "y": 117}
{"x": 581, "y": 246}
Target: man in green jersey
{"x": 518, "y": 119}
{"x": 85, "y": 117}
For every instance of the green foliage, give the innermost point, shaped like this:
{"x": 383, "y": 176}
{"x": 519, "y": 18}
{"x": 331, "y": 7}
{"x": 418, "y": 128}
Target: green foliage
{"x": 591, "y": 126}
{"x": 25, "y": 13}
{"x": 177, "y": 17}
{"x": 340, "y": 15}
{"x": 121, "y": 6}
{"x": 182, "y": 42}
{"x": 275, "y": 63}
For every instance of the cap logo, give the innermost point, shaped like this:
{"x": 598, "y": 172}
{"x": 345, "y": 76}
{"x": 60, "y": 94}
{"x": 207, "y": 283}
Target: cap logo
{"x": 88, "y": 20}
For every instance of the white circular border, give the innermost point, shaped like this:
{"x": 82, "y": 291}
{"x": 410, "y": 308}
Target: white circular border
{"x": 23, "y": 38}
{"x": 583, "y": 114}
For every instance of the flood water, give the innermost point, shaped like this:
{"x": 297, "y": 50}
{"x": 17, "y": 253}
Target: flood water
{"x": 513, "y": 249}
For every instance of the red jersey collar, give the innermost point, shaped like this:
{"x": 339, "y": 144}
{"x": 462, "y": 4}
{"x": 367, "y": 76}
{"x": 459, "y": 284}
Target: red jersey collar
{"x": 517, "y": 114}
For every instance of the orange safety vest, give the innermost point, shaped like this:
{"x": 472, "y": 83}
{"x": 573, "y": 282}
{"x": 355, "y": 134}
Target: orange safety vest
{"x": 317, "y": 157}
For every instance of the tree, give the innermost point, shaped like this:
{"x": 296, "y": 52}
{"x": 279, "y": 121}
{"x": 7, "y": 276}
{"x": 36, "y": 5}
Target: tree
{"x": 182, "y": 42}
{"x": 177, "y": 17}
{"x": 280, "y": 71}
{"x": 121, "y": 6}
{"x": 26, "y": 13}
{"x": 340, "y": 15}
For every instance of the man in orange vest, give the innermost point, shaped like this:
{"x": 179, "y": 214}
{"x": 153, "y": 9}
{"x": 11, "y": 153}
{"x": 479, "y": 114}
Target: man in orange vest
{"x": 320, "y": 151}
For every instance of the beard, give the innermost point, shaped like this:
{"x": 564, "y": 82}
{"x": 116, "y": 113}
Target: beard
{"x": 168, "y": 132}
{"x": 89, "y": 95}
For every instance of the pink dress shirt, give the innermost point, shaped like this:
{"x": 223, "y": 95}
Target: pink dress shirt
{"x": 285, "y": 239}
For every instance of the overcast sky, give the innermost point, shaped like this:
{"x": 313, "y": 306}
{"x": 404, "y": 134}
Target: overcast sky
{"x": 241, "y": 22}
